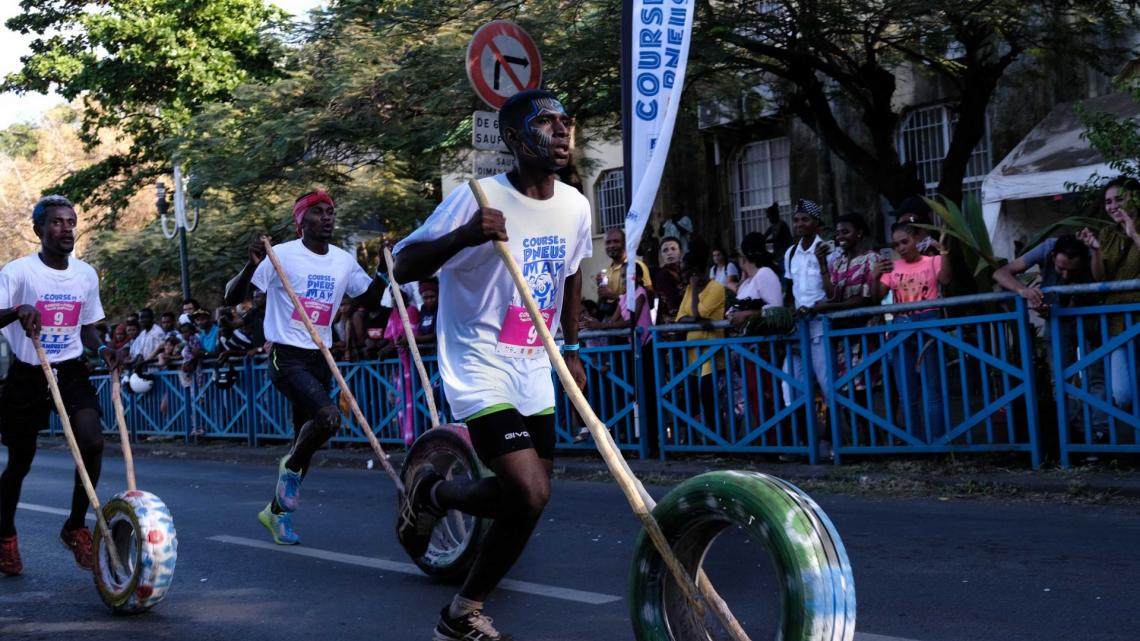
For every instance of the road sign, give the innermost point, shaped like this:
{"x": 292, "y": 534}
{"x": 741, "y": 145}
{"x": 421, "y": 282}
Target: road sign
{"x": 485, "y": 132}
{"x": 502, "y": 60}
{"x": 490, "y": 163}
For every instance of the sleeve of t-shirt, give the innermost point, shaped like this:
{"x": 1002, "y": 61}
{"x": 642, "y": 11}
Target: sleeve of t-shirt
{"x": 1038, "y": 255}
{"x": 455, "y": 211}
{"x": 6, "y": 286}
{"x": 712, "y": 308}
{"x": 768, "y": 287}
{"x": 584, "y": 244}
{"x": 93, "y": 310}
{"x": 262, "y": 275}
{"x": 358, "y": 280}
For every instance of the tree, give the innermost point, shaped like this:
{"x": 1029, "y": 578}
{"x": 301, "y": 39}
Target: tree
{"x": 832, "y": 58}
{"x": 376, "y": 101}
{"x": 144, "y": 68}
{"x": 1117, "y": 139}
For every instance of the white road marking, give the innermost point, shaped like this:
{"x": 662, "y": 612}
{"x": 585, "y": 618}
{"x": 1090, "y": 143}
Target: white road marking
{"x": 867, "y": 636}
{"x": 32, "y": 507}
{"x": 554, "y": 592}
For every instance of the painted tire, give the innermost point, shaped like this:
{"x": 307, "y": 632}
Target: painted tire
{"x": 142, "y": 532}
{"x": 817, "y": 590}
{"x": 455, "y": 540}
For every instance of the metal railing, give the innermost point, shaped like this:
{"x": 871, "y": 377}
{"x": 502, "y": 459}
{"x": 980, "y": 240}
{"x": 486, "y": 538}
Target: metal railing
{"x": 961, "y": 379}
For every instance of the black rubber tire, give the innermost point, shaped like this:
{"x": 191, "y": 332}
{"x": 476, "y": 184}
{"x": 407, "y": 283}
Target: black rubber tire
{"x": 817, "y": 588}
{"x": 142, "y": 531}
{"x": 457, "y": 537}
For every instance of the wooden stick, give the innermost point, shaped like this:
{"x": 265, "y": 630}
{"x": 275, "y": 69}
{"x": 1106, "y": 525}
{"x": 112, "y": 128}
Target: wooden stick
{"x": 398, "y": 296}
{"x": 634, "y": 492}
{"x": 124, "y": 436}
{"x": 73, "y": 445}
{"x": 356, "y": 413}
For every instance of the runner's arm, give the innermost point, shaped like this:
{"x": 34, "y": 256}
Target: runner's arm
{"x": 237, "y": 290}
{"x": 371, "y": 296}
{"x": 28, "y": 316}
{"x": 418, "y": 261}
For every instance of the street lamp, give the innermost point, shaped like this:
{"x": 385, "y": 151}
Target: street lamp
{"x": 180, "y": 224}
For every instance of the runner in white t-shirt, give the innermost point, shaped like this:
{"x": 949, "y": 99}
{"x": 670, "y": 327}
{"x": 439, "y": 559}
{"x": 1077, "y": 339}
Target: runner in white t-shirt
{"x": 54, "y": 296}
{"x": 495, "y": 373}
{"x": 321, "y": 275}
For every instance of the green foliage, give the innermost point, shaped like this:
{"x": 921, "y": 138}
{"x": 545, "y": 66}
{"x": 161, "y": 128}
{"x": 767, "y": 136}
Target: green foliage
{"x": 967, "y": 226}
{"x": 1117, "y": 139}
{"x": 142, "y": 68}
{"x": 375, "y": 101}
{"x": 834, "y": 64}
{"x": 19, "y": 141}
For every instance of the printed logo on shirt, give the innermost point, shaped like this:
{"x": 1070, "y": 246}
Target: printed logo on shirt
{"x": 543, "y": 266}
{"x": 59, "y": 319}
{"x": 317, "y": 300}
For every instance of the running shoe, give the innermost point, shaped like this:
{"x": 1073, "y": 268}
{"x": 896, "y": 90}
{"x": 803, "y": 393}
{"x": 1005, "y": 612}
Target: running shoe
{"x": 280, "y": 526}
{"x": 80, "y": 543}
{"x": 474, "y": 626}
{"x": 10, "y": 562}
{"x": 418, "y": 517}
{"x": 288, "y": 486}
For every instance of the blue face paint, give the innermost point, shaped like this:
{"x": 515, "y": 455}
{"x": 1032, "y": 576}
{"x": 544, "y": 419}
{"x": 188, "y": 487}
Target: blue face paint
{"x": 536, "y": 143}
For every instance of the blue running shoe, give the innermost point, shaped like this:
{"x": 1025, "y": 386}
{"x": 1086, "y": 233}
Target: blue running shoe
{"x": 280, "y": 526}
{"x": 288, "y": 486}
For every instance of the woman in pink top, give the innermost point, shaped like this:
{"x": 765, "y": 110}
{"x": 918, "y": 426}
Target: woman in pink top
{"x": 911, "y": 279}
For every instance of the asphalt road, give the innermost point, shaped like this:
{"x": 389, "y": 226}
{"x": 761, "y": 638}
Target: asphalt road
{"x": 925, "y": 569}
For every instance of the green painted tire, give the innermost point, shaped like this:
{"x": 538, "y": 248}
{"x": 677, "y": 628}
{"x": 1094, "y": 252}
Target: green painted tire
{"x": 455, "y": 540}
{"x": 817, "y": 590}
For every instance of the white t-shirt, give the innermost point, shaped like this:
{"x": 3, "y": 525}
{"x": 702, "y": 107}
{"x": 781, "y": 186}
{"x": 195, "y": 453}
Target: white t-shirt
{"x": 147, "y": 342}
{"x": 802, "y": 268}
{"x": 764, "y": 285}
{"x": 489, "y": 353}
{"x": 722, "y": 274}
{"x": 67, "y": 300}
{"x": 320, "y": 281}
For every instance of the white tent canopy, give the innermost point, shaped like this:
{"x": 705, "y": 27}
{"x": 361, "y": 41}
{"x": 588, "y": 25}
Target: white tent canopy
{"x": 1053, "y": 154}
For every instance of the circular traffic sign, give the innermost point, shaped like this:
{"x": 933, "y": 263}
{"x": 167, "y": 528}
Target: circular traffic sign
{"x": 502, "y": 60}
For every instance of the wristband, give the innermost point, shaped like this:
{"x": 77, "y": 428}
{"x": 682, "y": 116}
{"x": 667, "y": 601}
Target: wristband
{"x": 570, "y": 347}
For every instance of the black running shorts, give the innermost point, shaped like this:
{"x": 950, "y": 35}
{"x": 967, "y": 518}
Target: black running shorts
{"x": 303, "y": 377}
{"x": 26, "y": 403}
{"x": 506, "y": 431}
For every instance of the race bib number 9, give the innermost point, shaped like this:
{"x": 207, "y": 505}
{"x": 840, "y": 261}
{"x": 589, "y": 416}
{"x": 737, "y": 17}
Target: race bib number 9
{"x": 318, "y": 312}
{"x": 59, "y": 317}
{"x": 519, "y": 337}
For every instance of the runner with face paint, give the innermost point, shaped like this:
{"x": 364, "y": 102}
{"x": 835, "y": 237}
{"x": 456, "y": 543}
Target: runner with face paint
{"x": 495, "y": 372}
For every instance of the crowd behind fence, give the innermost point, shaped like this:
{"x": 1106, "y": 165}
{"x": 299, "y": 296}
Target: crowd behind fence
{"x": 969, "y": 379}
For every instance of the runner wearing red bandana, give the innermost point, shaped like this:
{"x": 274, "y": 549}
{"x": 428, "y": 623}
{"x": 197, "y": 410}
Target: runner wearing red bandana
{"x": 321, "y": 275}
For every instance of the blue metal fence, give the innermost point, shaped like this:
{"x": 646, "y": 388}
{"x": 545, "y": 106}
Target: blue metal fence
{"x": 1093, "y": 356}
{"x": 896, "y": 381}
{"x": 928, "y": 381}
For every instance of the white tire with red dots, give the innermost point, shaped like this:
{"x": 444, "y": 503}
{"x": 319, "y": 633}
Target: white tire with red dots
{"x": 142, "y": 534}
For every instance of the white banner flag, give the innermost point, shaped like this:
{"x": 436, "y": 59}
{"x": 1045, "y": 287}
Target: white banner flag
{"x": 657, "y": 36}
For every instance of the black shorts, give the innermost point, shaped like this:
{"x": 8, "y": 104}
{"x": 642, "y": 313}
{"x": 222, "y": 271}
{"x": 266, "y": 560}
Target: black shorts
{"x": 304, "y": 378}
{"x": 26, "y": 403}
{"x": 506, "y": 431}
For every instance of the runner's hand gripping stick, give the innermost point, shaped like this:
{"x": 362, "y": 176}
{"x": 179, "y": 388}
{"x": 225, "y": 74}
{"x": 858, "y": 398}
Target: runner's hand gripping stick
{"x": 73, "y": 445}
{"x": 635, "y": 493}
{"x": 356, "y": 413}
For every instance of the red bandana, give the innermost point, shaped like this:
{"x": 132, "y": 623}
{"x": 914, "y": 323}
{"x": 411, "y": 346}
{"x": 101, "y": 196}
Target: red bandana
{"x": 306, "y": 202}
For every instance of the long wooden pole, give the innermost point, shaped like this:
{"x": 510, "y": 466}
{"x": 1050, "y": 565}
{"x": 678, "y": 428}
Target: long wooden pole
{"x": 410, "y": 334}
{"x": 634, "y": 492}
{"x": 356, "y": 413}
{"x": 124, "y": 436}
{"x": 73, "y": 445}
